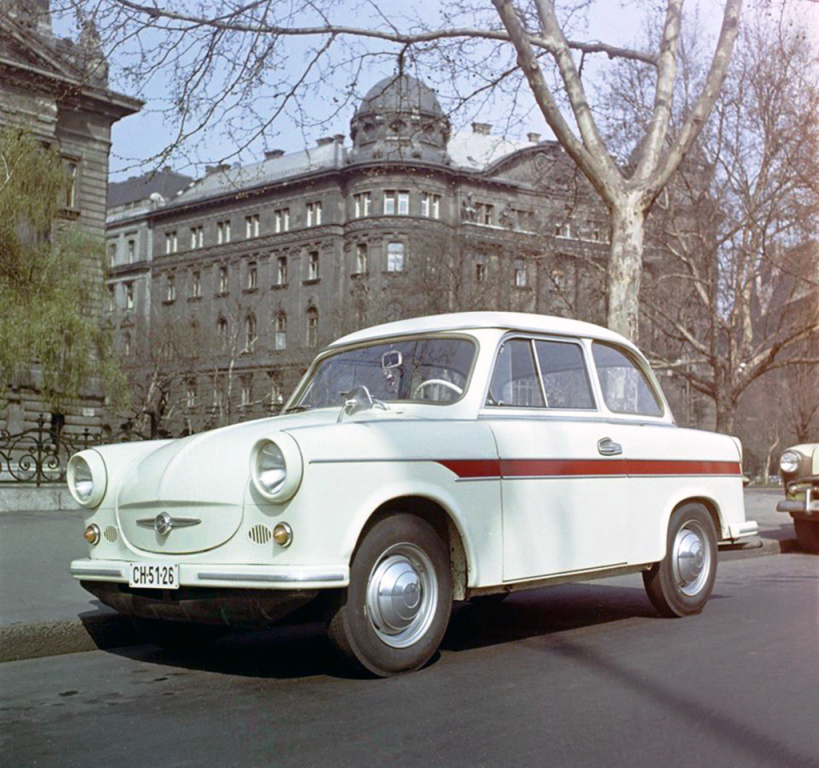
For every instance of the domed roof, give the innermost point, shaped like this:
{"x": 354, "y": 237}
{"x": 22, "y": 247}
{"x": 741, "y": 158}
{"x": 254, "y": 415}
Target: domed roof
{"x": 400, "y": 93}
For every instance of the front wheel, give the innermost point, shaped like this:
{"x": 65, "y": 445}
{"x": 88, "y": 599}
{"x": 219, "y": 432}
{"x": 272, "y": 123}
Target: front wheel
{"x": 807, "y": 534}
{"x": 681, "y": 583}
{"x": 393, "y": 615}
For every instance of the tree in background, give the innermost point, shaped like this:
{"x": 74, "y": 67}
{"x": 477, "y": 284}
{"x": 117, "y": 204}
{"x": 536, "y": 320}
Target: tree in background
{"x": 47, "y": 302}
{"x": 235, "y": 67}
{"x": 740, "y": 221}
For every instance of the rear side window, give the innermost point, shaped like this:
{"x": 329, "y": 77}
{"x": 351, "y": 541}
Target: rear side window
{"x": 565, "y": 381}
{"x": 625, "y": 387}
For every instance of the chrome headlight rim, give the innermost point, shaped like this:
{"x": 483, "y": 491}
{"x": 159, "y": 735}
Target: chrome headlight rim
{"x": 790, "y": 461}
{"x": 87, "y": 468}
{"x": 293, "y": 466}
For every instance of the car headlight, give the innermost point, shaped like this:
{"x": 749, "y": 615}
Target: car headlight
{"x": 276, "y": 468}
{"x": 87, "y": 478}
{"x": 789, "y": 462}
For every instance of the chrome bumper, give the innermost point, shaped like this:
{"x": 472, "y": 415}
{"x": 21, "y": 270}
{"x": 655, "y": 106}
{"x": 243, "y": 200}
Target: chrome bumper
{"x": 229, "y": 576}
{"x": 808, "y": 506}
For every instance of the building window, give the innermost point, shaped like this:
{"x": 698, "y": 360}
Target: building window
{"x": 431, "y": 206}
{"x": 112, "y": 254}
{"x": 222, "y": 333}
{"x": 395, "y": 257}
{"x": 247, "y": 392}
{"x": 131, "y": 251}
{"x": 252, "y": 277}
{"x": 111, "y": 301}
{"x": 485, "y": 213}
{"x": 252, "y": 226}
{"x": 520, "y": 274}
{"x": 480, "y": 269}
{"x": 197, "y": 237}
{"x": 396, "y": 202}
{"x": 223, "y": 232}
{"x": 250, "y": 333}
{"x": 72, "y": 172}
{"x": 190, "y": 395}
{"x": 361, "y": 259}
{"x": 281, "y": 270}
{"x": 171, "y": 243}
{"x": 363, "y": 204}
{"x": 223, "y": 280}
{"x": 126, "y": 343}
{"x": 563, "y": 230}
{"x": 196, "y": 285}
{"x": 170, "y": 288}
{"x": 313, "y": 265}
{"x": 281, "y": 331}
{"x": 312, "y": 327}
{"x": 282, "y": 220}
{"x": 129, "y": 295}
{"x": 314, "y": 214}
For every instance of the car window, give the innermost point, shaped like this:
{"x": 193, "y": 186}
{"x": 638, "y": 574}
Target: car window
{"x": 428, "y": 370}
{"x": 515, "y": 381}
{"x": 565, "y": 379}
{"x": 625, "y": 387}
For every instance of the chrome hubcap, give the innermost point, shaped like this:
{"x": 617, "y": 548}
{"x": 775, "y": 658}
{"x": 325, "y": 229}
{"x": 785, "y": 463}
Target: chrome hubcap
{"x": 691, "y": 558}
{"x": 402, "y": 593}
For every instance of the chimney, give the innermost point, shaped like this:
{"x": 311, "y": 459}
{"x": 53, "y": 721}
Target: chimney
{"x": 533, "y": 137}
{"x": 323, "y": 142}
{"x": 210, "y": 169}
{"x": 481, "y": 129}
{"x": 339, "y": 138}
{"x": 272, "y": 154}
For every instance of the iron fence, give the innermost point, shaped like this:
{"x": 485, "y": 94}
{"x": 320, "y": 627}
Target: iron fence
{"x": 40, "y": 455}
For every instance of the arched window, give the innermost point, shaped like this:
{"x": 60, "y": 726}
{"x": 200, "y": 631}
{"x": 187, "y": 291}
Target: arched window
{"x": 312, "y": 327}
{"x": 250, "y": 333}
{"x": 281, "y": 331}
{"x": 222, "y": 332}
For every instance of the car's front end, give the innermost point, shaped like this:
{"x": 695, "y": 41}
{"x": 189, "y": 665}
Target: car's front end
{"x": 799, "y": 466}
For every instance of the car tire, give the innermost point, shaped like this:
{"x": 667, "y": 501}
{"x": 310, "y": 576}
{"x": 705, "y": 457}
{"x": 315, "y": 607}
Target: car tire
{"x": 807, "y": 534}
{"x": 393, "y": 615}
{"x": 681, "y": 583}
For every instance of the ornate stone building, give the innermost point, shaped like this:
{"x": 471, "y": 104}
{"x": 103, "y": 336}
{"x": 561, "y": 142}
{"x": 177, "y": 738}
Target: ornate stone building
{"x": 59, "y": 90}
{"x": 255, "y": 267}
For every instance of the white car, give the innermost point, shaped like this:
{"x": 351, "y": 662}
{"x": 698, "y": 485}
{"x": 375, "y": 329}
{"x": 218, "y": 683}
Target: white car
{"x": 419, "y": 462}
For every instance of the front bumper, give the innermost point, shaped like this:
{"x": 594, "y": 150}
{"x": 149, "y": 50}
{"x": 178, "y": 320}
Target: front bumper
{"x": 803, "y": 498}
{"x": 270, "y": 577}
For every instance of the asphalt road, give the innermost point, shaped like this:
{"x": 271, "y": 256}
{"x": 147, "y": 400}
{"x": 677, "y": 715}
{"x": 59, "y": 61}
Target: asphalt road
{"x": 579, "y": 675}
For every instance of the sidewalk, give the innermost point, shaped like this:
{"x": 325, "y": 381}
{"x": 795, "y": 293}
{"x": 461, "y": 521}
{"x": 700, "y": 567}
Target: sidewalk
{"x": 44, "y": 612}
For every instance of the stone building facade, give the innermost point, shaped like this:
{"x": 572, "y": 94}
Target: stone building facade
{"x": 58, "y": 89}
{"x": 255, "y": 267}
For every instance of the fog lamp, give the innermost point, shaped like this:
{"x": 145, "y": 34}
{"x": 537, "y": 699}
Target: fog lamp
{"x": 283, "y": 534}
{"x": 92, "y": 534}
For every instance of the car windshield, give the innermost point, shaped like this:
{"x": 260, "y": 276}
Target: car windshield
{"x": 420, "y": 370}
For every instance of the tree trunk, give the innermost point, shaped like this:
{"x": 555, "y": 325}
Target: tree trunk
{"x": 625, "y": 268}
{"x": 726, "y": 414}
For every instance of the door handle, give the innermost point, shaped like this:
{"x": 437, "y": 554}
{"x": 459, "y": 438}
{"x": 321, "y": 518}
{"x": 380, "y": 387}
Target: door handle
{"x": 607, "y": 447}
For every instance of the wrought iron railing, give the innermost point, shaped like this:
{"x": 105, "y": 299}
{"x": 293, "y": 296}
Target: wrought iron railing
{"x": 40, "y": 455}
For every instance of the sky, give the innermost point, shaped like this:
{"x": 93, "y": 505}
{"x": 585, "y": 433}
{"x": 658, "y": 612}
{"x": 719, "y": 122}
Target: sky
{"x": 142, "y": 136}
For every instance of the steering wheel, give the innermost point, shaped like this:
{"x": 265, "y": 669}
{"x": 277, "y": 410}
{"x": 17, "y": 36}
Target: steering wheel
{"x": 448, "y": 384}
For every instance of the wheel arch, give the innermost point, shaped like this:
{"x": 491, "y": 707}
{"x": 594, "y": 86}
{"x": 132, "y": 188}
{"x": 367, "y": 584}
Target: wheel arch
{"x": 437, "y": 516}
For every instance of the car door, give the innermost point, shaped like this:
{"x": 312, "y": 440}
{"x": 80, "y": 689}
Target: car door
{"x": 562, "y": 471}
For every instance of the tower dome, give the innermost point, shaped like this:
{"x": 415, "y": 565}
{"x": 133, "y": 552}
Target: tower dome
{"x": 399, "y": 119}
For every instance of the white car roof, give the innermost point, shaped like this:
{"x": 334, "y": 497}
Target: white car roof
{"x": 462, "y": 321}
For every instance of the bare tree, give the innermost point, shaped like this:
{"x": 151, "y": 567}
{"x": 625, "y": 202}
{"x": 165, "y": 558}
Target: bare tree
{"x": 228, "y": 59}
{"x": 738, "y": 297}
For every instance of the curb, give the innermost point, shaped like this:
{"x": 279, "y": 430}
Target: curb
{"x": 55, "y": 638}
{"x": 113, "y": 630}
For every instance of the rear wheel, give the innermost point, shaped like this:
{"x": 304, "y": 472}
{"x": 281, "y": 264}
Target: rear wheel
{"x": 681, "y": 583}
{"x": 393, "y": 615}
{"x": 807, "y": 534}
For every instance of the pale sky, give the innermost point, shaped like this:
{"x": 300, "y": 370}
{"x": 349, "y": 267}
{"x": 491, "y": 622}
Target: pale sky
{"x": 138, "y": 137}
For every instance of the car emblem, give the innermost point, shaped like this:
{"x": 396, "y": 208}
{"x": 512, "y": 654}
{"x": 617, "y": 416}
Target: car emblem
{"x": 163, "y": 523}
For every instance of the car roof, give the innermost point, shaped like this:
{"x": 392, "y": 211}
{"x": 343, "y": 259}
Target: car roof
{"x": 468, "y": 321}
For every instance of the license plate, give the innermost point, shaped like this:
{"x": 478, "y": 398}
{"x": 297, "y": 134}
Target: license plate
{"x": 154, "y": 575}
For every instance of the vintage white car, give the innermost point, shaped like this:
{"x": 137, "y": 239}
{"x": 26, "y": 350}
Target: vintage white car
{"x": 419, "y": 462}
{"x": 799, "y": 466}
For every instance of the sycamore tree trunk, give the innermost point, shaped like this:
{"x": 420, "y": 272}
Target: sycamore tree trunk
{"x": 625, "y": 268}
